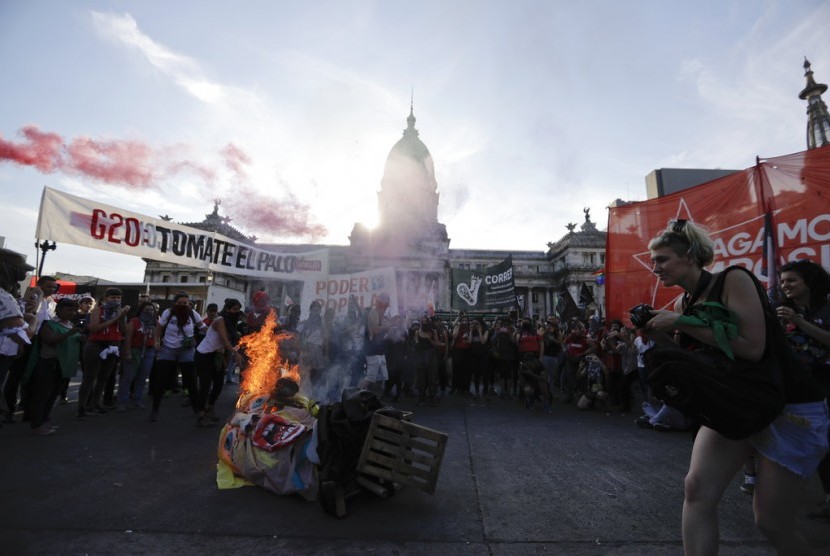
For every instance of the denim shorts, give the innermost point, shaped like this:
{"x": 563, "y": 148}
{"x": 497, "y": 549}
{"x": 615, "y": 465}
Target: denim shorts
{"x": 797, "y": 440}
{"x": 179, "y": 355}
{"x": 376, "y": 368}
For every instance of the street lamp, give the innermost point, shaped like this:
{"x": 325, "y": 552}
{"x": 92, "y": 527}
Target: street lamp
{"x": 44, "y": 246}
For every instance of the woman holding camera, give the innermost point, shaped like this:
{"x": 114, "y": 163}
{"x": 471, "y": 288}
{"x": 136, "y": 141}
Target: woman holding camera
{"x": 788, "y": 449}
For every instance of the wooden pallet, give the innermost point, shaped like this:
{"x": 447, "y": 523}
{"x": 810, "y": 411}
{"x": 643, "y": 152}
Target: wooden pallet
{"x": 402, "y": 452}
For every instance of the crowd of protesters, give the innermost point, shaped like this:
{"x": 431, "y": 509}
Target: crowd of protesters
{"x": 536, "y": 361}
{"x": 132, "y": 359}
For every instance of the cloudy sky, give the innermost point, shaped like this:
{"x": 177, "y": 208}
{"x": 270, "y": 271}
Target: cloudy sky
{"x": 532, "y": 110}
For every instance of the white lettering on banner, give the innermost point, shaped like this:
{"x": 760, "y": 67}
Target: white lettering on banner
{"x": 500, "y": 278}
{"x": 792, "y": 235}
{"x": 755, "y": 264}
{"x": 71, "y": 219}
{"x": 801, "y": 231}
{"x": 746, "y": 249}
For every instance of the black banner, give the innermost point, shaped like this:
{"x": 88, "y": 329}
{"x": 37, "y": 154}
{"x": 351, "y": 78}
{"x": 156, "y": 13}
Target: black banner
{"x": 490, "y": 288}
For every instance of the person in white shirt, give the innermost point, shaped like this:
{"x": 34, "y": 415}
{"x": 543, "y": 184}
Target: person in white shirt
{"x": 642, "y": 343}
{"x": 209, "y": 361}
{"x": 177, "y": 332}
{"x": 16, "y": 329}
{"x": 40, "y": 302}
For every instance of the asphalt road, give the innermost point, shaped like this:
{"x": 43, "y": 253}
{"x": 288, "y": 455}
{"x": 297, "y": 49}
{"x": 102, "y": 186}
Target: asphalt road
{"x": 512, "y": 482}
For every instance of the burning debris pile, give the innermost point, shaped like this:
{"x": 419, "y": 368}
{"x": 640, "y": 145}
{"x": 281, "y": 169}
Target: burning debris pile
{"x": 281, "y": 440}
{"x": 268, "y": 439}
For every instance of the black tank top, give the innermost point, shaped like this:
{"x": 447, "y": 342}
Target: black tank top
{"x": 797, "y": 382}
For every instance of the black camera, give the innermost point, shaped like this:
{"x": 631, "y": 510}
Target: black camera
{"x": 641, "y": 314}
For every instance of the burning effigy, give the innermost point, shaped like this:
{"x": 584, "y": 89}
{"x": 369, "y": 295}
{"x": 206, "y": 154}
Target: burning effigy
{"x": 268, "y": 441}
{"x": 280, "y": 439}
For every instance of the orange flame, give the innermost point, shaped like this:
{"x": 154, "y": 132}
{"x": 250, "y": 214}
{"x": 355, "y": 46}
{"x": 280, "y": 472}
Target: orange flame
{"x": 265, "y": 366}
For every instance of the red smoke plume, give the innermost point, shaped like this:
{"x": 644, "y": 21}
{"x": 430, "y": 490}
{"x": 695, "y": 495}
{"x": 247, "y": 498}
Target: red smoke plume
{"x": 234, "y": 159}
{"x": 135, "y": 165}
{"x": 286, "y": 216}
{"x": 123, "y": 162}
{"x": 43, "y": 150}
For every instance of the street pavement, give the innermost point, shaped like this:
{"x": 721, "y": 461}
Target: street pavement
{"x": 512, "y": 482}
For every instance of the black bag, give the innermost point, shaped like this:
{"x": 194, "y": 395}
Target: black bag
{"x": 342, "y": 429}
{"x": 737, "y": 398}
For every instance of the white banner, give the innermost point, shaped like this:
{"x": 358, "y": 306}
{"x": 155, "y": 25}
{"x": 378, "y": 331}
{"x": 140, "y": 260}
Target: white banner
{"x": 334, "y": 291}
{"x": 70, "y": 219}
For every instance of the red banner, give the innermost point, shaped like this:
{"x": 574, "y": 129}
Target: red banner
{"x": 795, "y": 189}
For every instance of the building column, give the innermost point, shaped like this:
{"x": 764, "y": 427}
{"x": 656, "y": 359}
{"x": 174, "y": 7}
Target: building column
{"x": 530, "y": 301}
{"x": 548, "y": 302}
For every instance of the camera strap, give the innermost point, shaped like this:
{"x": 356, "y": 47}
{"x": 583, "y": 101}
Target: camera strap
{"x": 702, "y": 283}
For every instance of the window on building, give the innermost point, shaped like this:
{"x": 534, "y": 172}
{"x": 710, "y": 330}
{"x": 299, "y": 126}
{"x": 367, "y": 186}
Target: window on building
{"x": 602, "y": 258}
{"x": 535, "y": 297}
{"x": 183, "y": 278}
{"x": 203, "y": 279}
{"x": 165, "y": 278}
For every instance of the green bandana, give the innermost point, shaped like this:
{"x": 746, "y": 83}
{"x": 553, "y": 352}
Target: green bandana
{"x": 722, "y": 321}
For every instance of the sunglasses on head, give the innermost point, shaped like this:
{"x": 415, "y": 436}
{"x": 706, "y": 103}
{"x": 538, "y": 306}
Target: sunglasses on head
{"x": 678, "y": 225}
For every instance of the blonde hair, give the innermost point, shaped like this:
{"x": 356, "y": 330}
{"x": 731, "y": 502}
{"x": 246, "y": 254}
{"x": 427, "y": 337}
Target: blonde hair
{"x": 686, "y": 238}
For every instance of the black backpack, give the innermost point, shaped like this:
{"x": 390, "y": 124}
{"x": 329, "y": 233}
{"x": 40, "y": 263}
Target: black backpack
{"x": 341, "y": 431}
{"x": 734, "y": 397}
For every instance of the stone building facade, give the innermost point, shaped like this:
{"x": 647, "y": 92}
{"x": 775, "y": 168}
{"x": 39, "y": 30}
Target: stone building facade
{"x": 410, "y": 238}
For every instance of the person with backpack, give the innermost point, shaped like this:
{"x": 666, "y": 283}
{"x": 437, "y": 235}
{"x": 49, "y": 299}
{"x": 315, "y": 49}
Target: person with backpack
{"x": 177, "y": 330}
{"x": 790, "y": 447}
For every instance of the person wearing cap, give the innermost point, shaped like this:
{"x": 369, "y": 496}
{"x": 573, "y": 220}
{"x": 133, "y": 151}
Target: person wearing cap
{"x": 107, "y": 330}
{"x": 12, "y": 335}
{"x": 40, "y": 302}
{"x": 16, "y": 328}
{"x": 13, "y": 270}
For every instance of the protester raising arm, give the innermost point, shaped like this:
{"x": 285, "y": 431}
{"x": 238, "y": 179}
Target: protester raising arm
{"x": 96, "y": 324}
